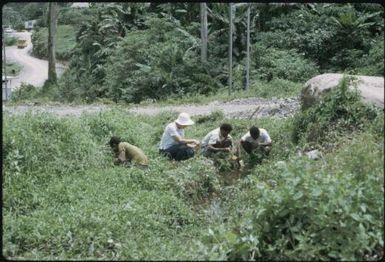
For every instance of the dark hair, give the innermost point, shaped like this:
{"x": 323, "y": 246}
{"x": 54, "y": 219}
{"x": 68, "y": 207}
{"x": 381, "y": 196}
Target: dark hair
{"x": 226, "y": 127}
{"x": 114, "y": 141}
{"x": 254, "y": 132}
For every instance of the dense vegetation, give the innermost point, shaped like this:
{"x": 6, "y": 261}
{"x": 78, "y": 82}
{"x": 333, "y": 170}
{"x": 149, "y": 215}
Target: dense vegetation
{"x": 13, "y": 69}
{"x": 65, "y": 42}
{"x": 133, "y": 52}
{"x": 64, "y": 199}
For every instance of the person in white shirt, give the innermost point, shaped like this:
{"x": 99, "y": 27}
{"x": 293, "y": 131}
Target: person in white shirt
{"x": 217, "y": 140}
{"x": 256, "y": 140}
{"x": 173, "y": 143}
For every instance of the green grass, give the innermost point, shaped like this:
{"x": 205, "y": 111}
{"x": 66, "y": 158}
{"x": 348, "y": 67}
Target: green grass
{"x": 65, "y": 41}
{"x": 64, "y": 199}
{"x": 277, "y": 88}
{"x": 10, "y": 40}
{"x": 65, "y": 38}
{"x": 13, "y": 69}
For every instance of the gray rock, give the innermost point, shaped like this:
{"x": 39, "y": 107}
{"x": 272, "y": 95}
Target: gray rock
{"x": 314, "y": 154}
{"x": 371, "y": 88}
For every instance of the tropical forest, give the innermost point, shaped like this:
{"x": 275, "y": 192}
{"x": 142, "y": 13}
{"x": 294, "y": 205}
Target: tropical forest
{"x": 303, "y": 72}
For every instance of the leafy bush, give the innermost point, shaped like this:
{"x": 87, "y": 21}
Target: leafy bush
{"x": 25, "y": 91}
{"x": 65, "y": 42}
{"x": 10, "y": 40}
{"x": 148, "y": 65}
{"x": 373, "y": 63}
{"x": 309, "y": 211}
{"x": 322, "y": 31}
{"x": 13, "y": 69}
{"x": 285, "y": 64}
{"x": 73, "y": 16}
{"x": 64, "y": 146}
{"x": 275, "y": 88}
{"x": 340, "y": 110}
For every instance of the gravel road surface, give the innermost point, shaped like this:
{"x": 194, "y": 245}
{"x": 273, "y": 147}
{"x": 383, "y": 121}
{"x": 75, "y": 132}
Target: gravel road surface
{"x": 238, "y": 108}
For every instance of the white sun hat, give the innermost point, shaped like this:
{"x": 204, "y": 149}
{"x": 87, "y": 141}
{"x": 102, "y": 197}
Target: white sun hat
{"x": 184, "y": 120}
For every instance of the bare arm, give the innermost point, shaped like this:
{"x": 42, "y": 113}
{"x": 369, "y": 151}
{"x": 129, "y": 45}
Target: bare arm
{"x": 265, "y": 144}
{"x": 122, "y": 156}
{"x": 212, "y": 148}
{"x": 182, "y": 140}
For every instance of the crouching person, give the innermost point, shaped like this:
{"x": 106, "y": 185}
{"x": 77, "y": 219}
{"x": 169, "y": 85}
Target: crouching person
{"x": 218, "y": 141}
{"x": 173, "y": 143}
{"x": 127, "y": 154}
{"x": 256, "y": 142}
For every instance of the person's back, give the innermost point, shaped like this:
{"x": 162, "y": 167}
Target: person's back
{"x": 134, "y": 153}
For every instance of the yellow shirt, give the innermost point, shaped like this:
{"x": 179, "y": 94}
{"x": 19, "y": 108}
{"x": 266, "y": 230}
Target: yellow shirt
{"x": 133, "y": 153}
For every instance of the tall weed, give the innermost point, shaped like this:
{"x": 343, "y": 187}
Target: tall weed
{"x": 340, "y": 111}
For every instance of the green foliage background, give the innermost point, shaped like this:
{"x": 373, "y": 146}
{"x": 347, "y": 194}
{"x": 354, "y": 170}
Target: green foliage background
{"x": 64, "y": 199}
{"x": 65, "y": 42}
{"x": 133, "y": 52}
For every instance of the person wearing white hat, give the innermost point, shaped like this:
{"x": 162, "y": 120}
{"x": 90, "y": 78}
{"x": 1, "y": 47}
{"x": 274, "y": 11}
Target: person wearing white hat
{"x": 173, "y": 143}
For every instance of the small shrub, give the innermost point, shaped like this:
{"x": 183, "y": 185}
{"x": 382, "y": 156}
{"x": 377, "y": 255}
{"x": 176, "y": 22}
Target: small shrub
{"x": 24, "y": 92}
{"x": 272, "y": 63}
{"x": 10, "y": 40}
{"x": 340, "y": 110}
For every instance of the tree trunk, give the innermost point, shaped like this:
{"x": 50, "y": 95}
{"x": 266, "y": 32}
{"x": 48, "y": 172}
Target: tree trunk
{"x": 4, "y": 81}
{"x": 52, "y": 77}
{"x": 248, "y": 49}
{"x": 230, "y": 47}
{"x": 204, "y": 32}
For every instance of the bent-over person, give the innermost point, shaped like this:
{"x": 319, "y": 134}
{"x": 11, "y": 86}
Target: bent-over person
{"x": 217, "y": 140}
{"x": 127, "y": 153}
{"x": 173, "y": 143}
{"x": 256, "y": 141}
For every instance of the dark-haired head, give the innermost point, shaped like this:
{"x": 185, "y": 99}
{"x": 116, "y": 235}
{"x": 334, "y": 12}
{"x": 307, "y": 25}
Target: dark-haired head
{"x": 226, "y": 127}
{"x": 114, "y": 141}
{"x": 254, "y": 132}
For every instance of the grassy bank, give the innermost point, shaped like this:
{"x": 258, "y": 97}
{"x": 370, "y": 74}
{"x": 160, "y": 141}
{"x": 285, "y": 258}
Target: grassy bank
{"x": 65, "y": 41}
{"x": 64, "y": 199}
{"x": 277, "y": 88}
{"x": 13, "y": 69}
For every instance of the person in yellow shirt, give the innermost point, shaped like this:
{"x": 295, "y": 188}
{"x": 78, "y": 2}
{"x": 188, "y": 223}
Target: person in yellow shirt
{"x": 127, "y": 153}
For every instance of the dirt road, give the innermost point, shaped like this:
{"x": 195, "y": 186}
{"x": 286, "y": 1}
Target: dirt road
{"x": 238, "y": 108}
{"x": 34, "y": 71}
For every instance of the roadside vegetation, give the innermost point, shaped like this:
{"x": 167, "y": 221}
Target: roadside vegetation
{"x": 10, "y": 40}
{"x": 13, "y": 69}
{"x": 65, "y": 42}
{"x": 139, "y": 52}
{"x": 64, "y": 199}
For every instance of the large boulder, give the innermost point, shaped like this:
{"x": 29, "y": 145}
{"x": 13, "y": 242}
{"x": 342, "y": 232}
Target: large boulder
{"x": 371, "y": 88}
